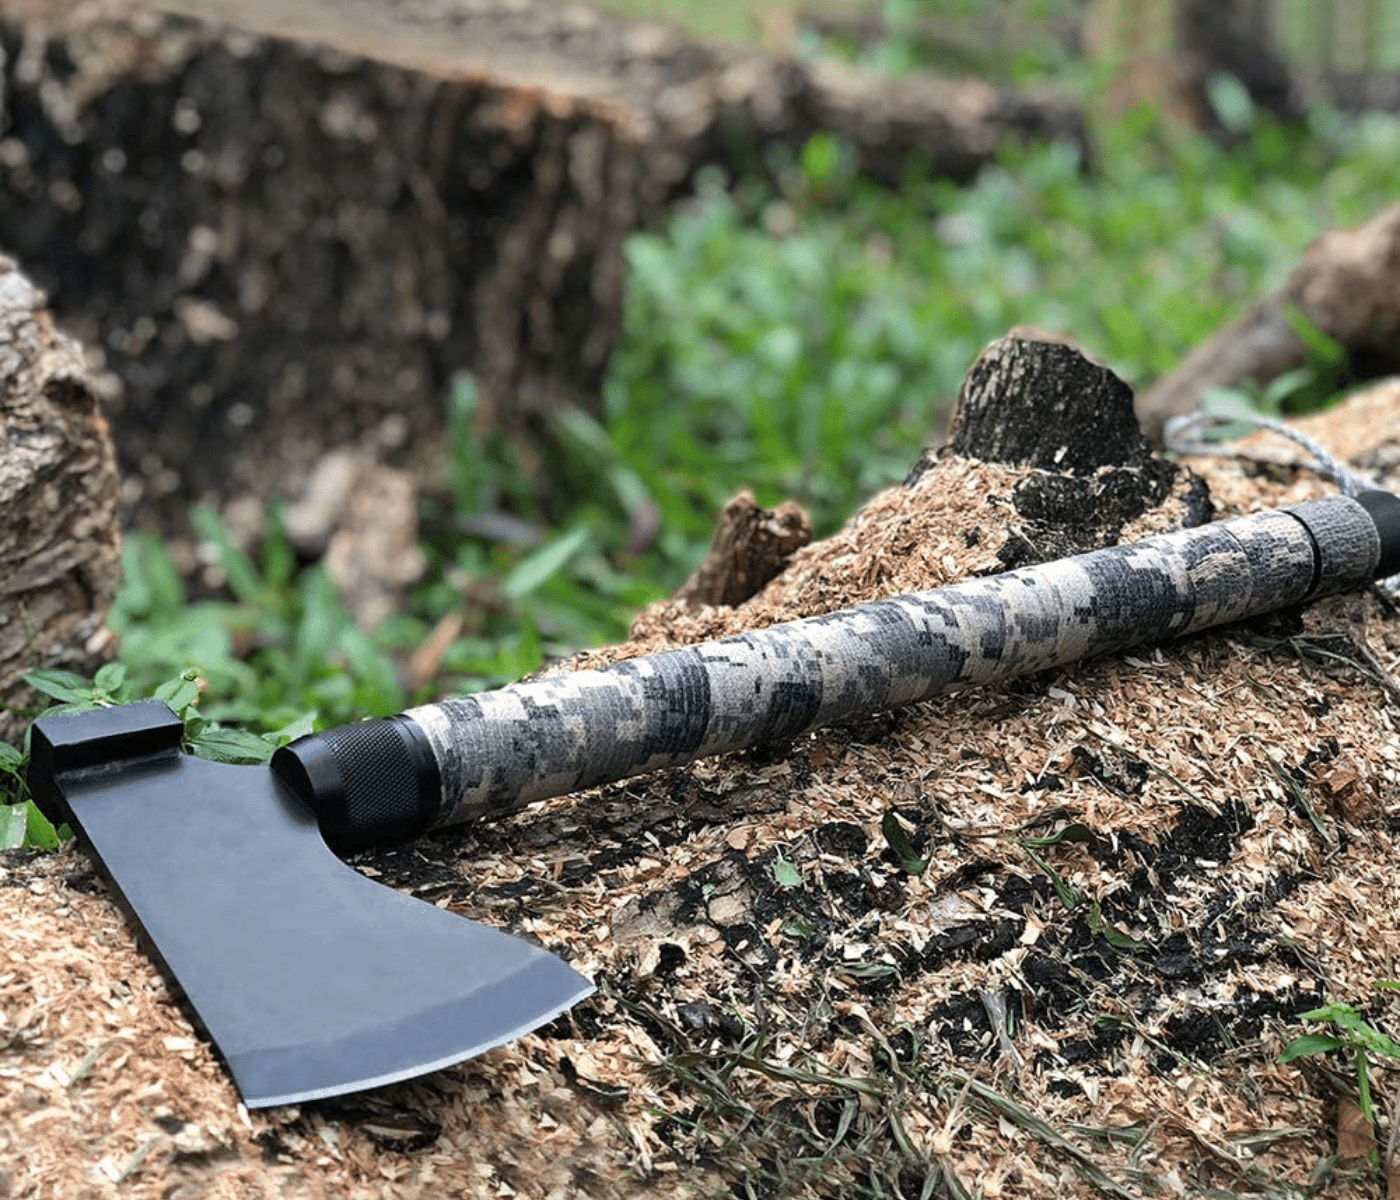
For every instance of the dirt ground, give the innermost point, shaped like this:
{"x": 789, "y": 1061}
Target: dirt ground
{"x": 1135, "y": 874}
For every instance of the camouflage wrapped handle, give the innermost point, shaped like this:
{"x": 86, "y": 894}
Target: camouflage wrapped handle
{"x": 486, "y": 754}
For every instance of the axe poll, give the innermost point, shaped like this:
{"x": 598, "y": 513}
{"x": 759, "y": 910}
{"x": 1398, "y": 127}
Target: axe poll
{"x": 313, "y": 981}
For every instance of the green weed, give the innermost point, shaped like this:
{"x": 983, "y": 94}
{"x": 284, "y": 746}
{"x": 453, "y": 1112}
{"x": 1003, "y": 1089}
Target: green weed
{"x": 1356, "y": 1038}
{"x": 281, "y": 646}
{"x": 23, "y": 825}
{"x": 809, "y": 340}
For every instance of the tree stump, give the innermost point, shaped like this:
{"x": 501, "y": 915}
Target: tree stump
{"x": 279, "y": 250}
{"x": 1094, "y": 473}
{"x": 285, "y": 228}
{"x": 59, "y": 543}
{"x": 750, "y": 546}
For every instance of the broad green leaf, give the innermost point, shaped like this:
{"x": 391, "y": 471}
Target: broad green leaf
{"x": 62, "y": 685}
{"x": 179, "y": 693}
{"x": 39, "y": 831}
{"x": 14, "y": 824}
{"x": 1360, "y": 1032}
{"x": 536, "y": 569}
{"x": 299, "y": 728}
{"x": 70, "y": 709}
{"x": 1377, "y": 1042}
{"x": 233, "y": 746}
{"x": 110, "y": 677}
{"x": 1309, "y": 1043}
{"x": 1231, "y": 101}
{"x": 1328, "y": 1012}
{"x": 821, "y": 158}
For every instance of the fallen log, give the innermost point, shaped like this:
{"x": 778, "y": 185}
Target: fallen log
{"x": 59, "y": 541}
{"x": 1346, "y": 287}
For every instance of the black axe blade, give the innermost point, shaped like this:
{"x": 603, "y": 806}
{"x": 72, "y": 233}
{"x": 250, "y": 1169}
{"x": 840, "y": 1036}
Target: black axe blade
{"x": 310, "y": 979}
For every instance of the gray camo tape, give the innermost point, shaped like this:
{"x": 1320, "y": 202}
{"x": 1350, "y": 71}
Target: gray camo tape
{"x": 500, "y": 750}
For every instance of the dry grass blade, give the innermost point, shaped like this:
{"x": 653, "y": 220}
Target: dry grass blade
{"x": 1297, "y": 793}
{"x": 1118, "y": 744}
{"x": 1004, "y": 1106}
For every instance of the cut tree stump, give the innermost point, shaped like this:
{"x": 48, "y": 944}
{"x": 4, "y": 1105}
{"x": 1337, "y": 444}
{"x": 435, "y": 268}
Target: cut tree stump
{"x": 1347, "y": 286}
{"x": 281, "y": 251}
{"x": 59, "y": 542}
{"x": 286, "y": 227}
{"x": 1094, "y": 473}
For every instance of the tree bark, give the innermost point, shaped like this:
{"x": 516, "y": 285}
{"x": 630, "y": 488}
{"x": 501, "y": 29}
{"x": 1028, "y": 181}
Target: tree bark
{"x": 1346, "y": 286}
{"x": 750, "y": 546}
{"x": 1041, "y": 403}
{"x": 59, "y": 544}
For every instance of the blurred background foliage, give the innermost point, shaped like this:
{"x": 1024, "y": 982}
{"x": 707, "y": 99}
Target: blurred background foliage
{"x": 803, "y": 333}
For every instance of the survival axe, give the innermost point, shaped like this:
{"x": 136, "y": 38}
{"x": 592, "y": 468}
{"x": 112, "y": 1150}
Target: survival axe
{"x": 312, "y": 980}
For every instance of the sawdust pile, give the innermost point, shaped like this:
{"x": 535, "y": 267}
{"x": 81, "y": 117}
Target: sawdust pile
{"x": 1134, "y": 875}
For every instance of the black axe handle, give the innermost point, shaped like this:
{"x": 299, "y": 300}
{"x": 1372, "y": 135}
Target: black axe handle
{"x": 486, "y": 754}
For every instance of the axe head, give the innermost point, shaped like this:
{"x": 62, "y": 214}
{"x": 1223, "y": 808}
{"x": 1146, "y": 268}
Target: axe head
{"x": 310, "y": 979}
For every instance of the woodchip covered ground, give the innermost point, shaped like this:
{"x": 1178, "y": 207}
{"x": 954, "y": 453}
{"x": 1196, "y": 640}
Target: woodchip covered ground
{"x": 1139, "y": 871}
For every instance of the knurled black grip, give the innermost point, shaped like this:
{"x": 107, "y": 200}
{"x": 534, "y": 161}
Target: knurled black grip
{"x": 369, "y": 783}
{"x": 1384, "y": 510}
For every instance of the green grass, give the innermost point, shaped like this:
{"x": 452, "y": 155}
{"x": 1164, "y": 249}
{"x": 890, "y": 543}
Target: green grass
{"x": 816, "y": 363}
{"x": 1013, "y": 38}
{"x": 733, "y": 20}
